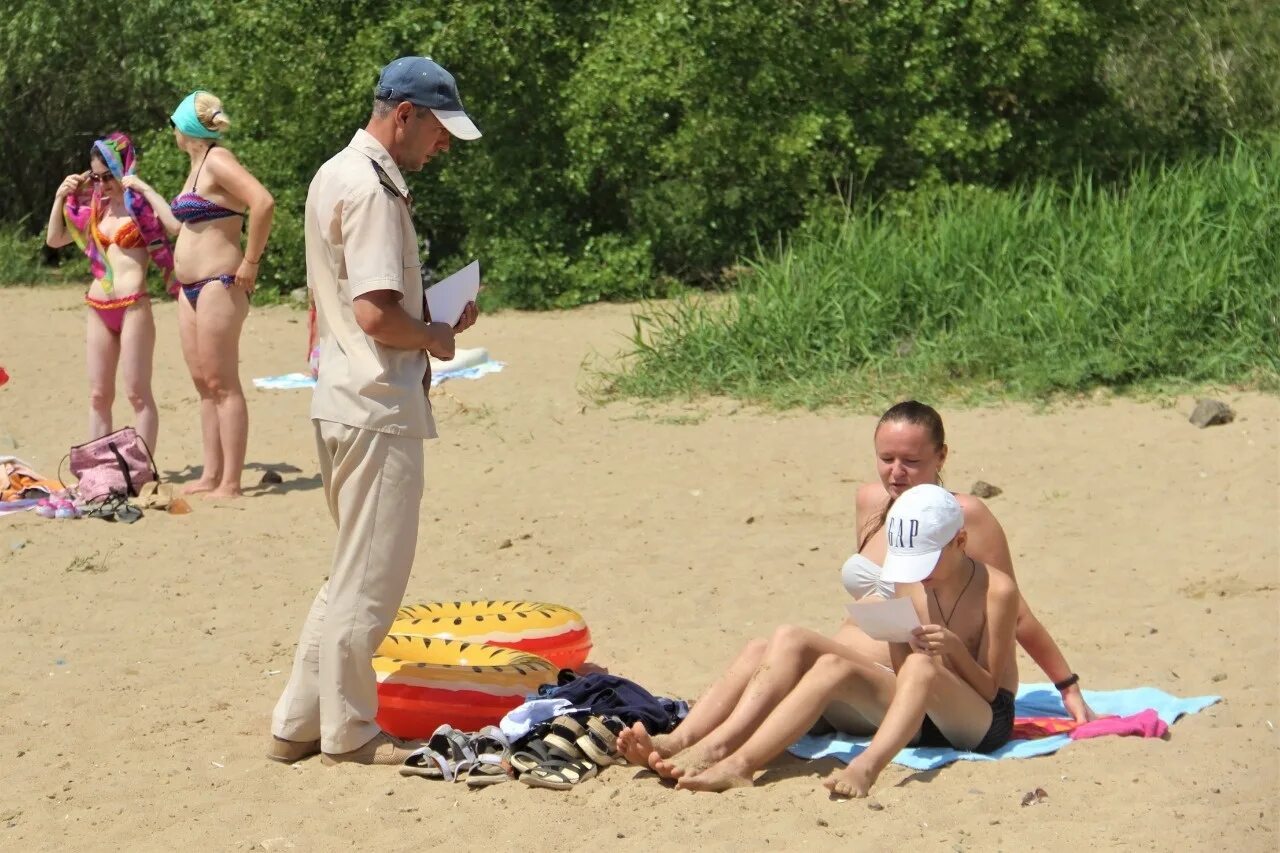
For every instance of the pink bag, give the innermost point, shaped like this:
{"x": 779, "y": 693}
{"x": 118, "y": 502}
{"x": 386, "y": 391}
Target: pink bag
{"x": 119, "y": 462}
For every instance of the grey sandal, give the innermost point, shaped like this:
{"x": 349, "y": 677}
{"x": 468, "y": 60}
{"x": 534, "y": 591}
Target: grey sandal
{"x": 445, "y": 753}
{"x": 492, "y": 760}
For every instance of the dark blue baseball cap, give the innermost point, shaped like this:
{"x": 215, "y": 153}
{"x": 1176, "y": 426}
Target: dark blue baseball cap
{"x": 424, "y": 83}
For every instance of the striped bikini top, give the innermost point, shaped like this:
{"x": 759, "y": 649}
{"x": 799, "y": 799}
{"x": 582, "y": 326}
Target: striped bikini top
{"x": 193, "y": 207}
{"x": 127, "y": 236}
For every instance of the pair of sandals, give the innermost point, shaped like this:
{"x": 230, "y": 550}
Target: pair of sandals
{"x": 478, "y": 759}
{"x": 113, "y": 507}
{"x": 153, "y": 495}
{"x": 568, "y": 752}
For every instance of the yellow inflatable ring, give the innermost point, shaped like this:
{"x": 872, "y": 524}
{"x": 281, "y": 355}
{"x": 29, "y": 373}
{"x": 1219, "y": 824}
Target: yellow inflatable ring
{"x": 426, "y": 681}
{"x": 552, "y": 631}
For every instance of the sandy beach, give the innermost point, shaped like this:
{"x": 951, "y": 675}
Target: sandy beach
{"x": 144, "y": 659}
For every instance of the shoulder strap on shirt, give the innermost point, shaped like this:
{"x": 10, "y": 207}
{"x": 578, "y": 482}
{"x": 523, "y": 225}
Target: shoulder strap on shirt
{"x": 387, "y": 184}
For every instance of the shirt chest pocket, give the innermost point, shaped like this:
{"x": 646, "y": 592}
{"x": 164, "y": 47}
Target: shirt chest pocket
{"x": 412, "y": 263}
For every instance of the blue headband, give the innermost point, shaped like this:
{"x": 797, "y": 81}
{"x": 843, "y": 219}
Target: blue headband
{"x": 184, "y": 118}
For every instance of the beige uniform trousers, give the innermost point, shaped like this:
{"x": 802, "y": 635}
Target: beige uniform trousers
{"x": 373, "y": 482}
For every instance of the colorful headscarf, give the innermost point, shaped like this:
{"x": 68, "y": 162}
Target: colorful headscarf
{"x": 186, "y": 119}
{"x": 117, "y": 152}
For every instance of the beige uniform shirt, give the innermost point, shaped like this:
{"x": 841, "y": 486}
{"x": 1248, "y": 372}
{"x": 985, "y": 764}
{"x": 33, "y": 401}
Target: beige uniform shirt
{"x": 360, "y": 238}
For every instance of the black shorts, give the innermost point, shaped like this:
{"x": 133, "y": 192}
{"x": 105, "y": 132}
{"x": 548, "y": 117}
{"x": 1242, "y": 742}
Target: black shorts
{"x": 997, "y": 736}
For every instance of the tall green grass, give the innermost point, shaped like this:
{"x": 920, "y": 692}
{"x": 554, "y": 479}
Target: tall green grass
{"x": 1173, "y": 276}
{"x": 20, "y": 255}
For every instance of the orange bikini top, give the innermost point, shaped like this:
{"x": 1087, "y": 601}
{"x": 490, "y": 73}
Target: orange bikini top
{"x": 127, "y": 236}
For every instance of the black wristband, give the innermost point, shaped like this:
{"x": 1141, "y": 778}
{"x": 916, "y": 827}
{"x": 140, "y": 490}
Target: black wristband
{"x": 1069, "y": 681}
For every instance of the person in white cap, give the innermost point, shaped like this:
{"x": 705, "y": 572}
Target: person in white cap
{"x": 910, "y": 449}
{"x": 951, "y": 685}
{"x": 370, "y": 408}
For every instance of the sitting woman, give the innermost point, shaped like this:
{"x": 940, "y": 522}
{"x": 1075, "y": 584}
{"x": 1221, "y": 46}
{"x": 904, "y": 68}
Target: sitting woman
{"x": 952, "y": 685}
{"x": 112, "y": 222}
{"x": 910, "y": 446}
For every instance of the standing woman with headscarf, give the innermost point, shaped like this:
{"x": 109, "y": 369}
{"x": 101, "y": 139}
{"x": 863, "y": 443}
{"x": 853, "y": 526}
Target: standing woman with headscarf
{"x": 105, "y": 214}
{"x": 217, "y": 277}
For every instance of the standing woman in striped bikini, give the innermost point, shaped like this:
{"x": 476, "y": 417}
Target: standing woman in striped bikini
{"x": 105, "y": 214}
{"x": 216, "y": 277}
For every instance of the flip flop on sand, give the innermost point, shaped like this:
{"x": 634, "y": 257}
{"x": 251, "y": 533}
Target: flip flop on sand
{"x": 153, "y": 495}
{"x": 114, "y": 507}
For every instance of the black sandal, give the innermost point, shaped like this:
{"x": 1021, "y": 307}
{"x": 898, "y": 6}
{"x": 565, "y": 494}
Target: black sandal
{"x": 563, "y": 737}
{"x": 559, "y": 774}
{"x": 528, "y": 754}
{"x": 600, "y": 743}
{"x": 541, "y": 745}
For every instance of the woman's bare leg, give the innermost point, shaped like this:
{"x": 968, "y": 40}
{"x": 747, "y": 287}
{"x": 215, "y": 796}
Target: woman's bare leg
{"x": 137, "y": 355}
{"x": 709, "y": 711}
{"x": 210, "y": 443}
{"x": 789, "y": 656}
{"x": 864, "y": 686}
{"x": 220, "y": 315}
{"x": 923, "y": 685}
{"x": 897, "y": 703}
{"x": 102, "y": 354}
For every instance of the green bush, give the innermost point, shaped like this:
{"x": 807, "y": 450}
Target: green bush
{"x": 1172, "y": 276}
{"x": 20, "y": 256}
{"x": 630, "y": 143}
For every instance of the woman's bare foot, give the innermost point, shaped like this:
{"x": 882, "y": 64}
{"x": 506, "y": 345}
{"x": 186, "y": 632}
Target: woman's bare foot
{"x": 717, "y": 778}
{"x": 855, "y": 780}
{"x": 635, "y": 744}
{"x": 665, "y": 767}
{"x": 226, "y": 492}
{"x": 200, "y": 486}
{"x": 642, "y": 749}
{"x": 688, "y": 762}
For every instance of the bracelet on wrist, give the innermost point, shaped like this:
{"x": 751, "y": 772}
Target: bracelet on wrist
{"x": 1070, "y": 681}
{"x": 255, "y": 263}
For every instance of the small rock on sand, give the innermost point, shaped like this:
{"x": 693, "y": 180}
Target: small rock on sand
{"x": 1211, "y": 413}
{"x": 983, "y": 489}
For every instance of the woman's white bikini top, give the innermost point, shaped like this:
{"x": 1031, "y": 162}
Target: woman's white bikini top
{"x": 862, "y": 578}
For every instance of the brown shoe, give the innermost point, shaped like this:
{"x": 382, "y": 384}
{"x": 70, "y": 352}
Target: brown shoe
{"x": 381, "y": 749}
{"x": 289, "y": 751}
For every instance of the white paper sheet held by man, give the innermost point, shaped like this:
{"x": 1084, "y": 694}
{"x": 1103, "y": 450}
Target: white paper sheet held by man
{"x": 447, "y": 298}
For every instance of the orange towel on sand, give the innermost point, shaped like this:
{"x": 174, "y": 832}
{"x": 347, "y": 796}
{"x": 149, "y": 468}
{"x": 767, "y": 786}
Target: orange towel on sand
{"x": 16, "y": 477}
{"x": 1034, "y": 728}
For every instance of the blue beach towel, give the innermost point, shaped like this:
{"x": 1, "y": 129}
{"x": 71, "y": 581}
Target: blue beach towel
{"x": 290, "y": 381}
{"x": 1034, "y": 700}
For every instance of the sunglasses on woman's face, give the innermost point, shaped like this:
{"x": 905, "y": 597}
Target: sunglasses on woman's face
{"x": 101, "y": 177}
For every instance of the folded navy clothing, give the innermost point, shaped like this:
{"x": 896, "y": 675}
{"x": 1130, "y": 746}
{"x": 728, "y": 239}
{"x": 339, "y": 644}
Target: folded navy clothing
{"x": 614, "y": 695}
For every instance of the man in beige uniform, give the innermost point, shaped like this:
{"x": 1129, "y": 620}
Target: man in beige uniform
{"x": 370, "y": 408}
